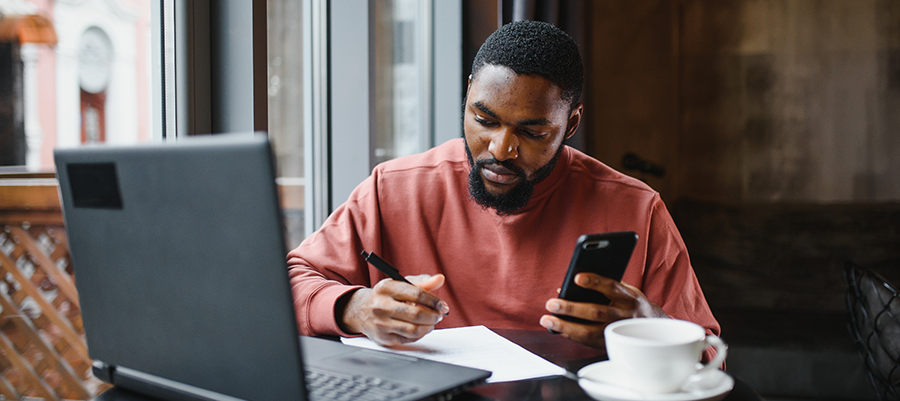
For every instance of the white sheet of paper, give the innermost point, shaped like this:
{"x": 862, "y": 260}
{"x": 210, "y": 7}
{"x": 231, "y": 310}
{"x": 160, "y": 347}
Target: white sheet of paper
{"x": 475, "y": 347}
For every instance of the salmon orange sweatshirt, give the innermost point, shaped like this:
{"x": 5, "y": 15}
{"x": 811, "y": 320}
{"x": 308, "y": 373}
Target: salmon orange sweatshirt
{"x": 416, "y": 213}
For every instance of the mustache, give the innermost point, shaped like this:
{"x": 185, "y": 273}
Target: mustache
{"x": 505, "y": 163}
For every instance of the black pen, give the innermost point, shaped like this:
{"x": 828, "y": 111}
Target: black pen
{"x": 385, "y": 267}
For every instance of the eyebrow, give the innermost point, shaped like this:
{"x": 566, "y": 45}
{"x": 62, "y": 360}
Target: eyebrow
{"x": 480, "y": 106}
{"x": 530, "y": 122}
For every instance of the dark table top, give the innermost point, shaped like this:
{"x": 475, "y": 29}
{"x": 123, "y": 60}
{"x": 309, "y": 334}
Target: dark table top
{"x": 568, "y": 354}
{"x": 571, "y": 356}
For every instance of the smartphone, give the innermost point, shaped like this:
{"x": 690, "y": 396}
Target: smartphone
{"x": 604, "y": 254}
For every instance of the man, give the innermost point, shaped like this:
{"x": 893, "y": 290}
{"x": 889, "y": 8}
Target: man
{"x": 488, "y": 223}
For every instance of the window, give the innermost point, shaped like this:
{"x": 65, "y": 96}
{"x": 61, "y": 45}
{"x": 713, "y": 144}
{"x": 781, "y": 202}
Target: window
{"x": 284, "y": 89}
{"x": 402, "y": 69}
{"x": 73, "y": 73}
{"x": 391, "y": 94}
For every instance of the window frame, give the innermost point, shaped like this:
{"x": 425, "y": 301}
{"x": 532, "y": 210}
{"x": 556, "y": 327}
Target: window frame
{"x": 204, "y": 83}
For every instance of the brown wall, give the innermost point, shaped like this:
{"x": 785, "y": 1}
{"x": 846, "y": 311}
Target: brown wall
{"x": 778, "y": 123}
{"x": 631, "y": 78}
{"x": 750, "y": 100}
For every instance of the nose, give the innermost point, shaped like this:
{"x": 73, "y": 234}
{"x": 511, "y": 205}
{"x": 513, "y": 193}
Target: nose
{"x": 504, "y": 145}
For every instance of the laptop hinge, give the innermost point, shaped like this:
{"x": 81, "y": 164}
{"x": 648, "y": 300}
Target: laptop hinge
{"x": 102, "y": 371}
{"x": 162, "y": 388}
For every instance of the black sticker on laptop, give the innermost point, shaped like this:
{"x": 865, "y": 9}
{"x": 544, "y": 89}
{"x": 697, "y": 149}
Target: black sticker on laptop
{"x": 94, "y": 185}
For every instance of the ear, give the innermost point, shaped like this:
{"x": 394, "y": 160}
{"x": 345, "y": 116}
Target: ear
{"x": 574, "y": 120}
{"x": 469, "y": 86}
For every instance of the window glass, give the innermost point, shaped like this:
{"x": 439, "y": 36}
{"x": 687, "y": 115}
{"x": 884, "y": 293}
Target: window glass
{"x": 285, "y": 93}
{"x": 402, "y": 64}
{"x": 73, "y": 73}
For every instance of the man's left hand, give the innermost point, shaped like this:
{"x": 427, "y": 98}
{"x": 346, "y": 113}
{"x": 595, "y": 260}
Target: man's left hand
{"x": 626, "y": 302}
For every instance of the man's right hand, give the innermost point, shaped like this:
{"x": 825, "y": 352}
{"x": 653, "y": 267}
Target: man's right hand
{"x": 394, "y": 312}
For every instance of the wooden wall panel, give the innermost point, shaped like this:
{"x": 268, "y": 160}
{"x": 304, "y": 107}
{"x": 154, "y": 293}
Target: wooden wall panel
{"x": 631, "y": 77}
{"x": 749, "y": 100}
{"x": 789, "y": 100}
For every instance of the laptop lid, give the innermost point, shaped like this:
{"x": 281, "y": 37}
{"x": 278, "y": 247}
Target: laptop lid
{"x": 179, "y": 259}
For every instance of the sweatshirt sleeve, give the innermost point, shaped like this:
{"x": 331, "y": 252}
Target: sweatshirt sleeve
{"x": 327, "y": 265}
{"x": 669, "y": 279}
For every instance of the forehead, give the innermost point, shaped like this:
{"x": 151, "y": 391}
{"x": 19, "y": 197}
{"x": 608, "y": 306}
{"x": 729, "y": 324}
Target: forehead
{"x": 500, "y": 87}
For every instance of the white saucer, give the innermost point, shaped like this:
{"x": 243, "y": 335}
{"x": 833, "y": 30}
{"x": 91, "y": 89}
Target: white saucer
{"x": 598, "y": 381}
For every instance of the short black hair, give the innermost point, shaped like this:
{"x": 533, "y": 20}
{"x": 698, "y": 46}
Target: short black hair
{"x": 534, "y": 47}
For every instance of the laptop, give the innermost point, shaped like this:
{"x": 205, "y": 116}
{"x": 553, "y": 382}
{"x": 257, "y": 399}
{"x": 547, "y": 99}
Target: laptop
{"x": 180, "y": 263}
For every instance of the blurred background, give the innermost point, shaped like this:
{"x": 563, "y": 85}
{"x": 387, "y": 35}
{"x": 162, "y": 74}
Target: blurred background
{"x": 771, "y": 128}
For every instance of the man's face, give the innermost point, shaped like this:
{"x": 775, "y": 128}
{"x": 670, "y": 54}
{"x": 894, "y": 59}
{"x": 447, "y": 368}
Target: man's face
{"x": 514, "y": 127}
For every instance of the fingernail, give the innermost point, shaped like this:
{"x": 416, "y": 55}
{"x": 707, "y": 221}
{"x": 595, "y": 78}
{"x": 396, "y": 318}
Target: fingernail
{"x": 547, "y": 323}
{"x": 553, "y": 306}
{"x": 582, "y": 279}
{"x": 443, "y": 308}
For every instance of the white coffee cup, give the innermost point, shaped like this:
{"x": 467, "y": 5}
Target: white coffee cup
{"x": 660, "y": 355}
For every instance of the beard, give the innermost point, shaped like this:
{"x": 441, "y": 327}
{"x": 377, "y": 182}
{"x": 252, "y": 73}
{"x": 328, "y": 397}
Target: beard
{"x": 516, "y": 198}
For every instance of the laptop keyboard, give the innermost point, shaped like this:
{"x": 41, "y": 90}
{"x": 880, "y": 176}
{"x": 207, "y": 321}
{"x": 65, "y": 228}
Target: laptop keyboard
{"x": 334, "y": 386}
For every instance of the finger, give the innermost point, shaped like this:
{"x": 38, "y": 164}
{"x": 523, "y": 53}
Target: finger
{"x": 638, "y": 301}
{"x": 626, "y": 295}
{"x": 393, "y": 332}
{"x": 588, "y": 334}
{"x": 613, "y": 289}
{"x": 404, "y": 292}
{"x": 413, "y": 313}
{"x": 583, "y": 310}
{"x": 630, "y": 287}
{"x": 427, "y": 282}
{"x": 626, "y": 300}
{"x": 411, "y": 332}
{"x": 394, "y": 322}
{"x": 432, "y": 283}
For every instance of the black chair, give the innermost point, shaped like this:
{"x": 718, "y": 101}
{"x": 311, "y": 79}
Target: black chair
{"x": 874, "y": 324}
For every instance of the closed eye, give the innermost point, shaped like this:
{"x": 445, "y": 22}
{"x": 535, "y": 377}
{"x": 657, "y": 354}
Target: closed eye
{"x": 533, "y": 135}
{"x": 530, "y": 134}
{"x": 484, "y": 122}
